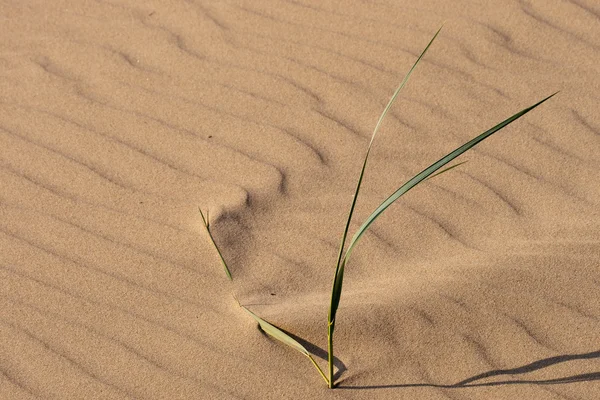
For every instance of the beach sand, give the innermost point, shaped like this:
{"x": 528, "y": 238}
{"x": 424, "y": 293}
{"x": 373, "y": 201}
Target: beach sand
{"x": 118, "y": 119}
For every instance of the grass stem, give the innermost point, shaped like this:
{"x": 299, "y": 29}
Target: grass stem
{"x": 330, "y": 355}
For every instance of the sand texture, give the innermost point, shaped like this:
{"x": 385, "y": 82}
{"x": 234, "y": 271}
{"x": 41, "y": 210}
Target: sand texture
{"x": 119, "y": 118}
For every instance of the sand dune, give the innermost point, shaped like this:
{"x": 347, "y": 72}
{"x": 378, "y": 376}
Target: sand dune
{"x": 118, "y": 119}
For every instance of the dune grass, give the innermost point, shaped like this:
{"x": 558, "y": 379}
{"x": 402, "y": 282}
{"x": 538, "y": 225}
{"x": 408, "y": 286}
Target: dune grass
{"x": 344, "y": 252}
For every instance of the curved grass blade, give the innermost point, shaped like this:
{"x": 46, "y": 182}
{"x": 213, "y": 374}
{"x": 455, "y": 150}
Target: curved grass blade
{"x": 283, "y": 337}
{"x": 212, "y": 240}
{"x": 379, "y": 122}
{"x": 427, "y": 172}
{"x": 362, "y": 172}
{"x": 339, "y": 271}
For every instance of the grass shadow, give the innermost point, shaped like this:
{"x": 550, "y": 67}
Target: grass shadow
{"x": 474, "y": 381}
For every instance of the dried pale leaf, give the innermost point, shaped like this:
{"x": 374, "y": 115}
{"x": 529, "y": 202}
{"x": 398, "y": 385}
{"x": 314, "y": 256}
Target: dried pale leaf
{"x": 283, "y": 337}
{"x": 212, "y": 240}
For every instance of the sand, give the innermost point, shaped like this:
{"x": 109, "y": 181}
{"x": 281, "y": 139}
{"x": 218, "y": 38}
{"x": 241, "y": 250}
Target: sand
{"x": 118, "y": 119}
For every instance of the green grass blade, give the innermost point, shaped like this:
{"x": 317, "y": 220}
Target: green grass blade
{"x": 432, "y": 169}
{"x": 337, "y": 290}
{"x": 283, "y": 337}
{"x": 409, "y": 185}
{"x": 212, "y": 240}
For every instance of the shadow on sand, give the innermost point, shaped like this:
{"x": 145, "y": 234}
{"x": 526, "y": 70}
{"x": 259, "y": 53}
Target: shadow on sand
{"x": 474, "y": 381}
